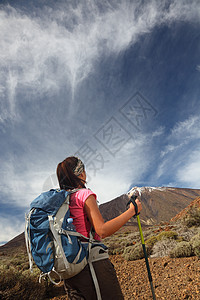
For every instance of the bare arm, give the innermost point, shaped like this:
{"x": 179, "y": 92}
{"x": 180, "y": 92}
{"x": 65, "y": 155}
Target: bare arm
{"x": 110, "y": 227}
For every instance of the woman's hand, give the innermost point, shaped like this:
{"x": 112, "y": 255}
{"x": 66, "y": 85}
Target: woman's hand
{"x": 139, "y": 206}
{"x": 136, "y": 194}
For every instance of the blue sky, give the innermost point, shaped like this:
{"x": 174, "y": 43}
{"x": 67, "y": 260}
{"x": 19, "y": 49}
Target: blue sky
{"x": 115, "y": 82}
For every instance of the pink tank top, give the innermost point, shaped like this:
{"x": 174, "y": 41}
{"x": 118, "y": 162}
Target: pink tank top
{"x": 77, "y": 211}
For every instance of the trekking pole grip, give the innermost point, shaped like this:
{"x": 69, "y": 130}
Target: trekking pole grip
{"x": 132, "y": 200}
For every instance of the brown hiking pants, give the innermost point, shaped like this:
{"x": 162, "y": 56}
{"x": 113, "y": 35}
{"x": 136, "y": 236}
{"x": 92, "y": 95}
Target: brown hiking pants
{"x": 81, "y": 286}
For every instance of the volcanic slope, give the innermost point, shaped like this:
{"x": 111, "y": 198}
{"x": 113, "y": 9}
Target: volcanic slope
{"x": 193, "y": 204}
{"x": 159, "y": 204}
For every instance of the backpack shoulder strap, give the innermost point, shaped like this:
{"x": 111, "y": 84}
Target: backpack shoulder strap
{"x": 28, "y": 238}
{"x": 75, "y": 190}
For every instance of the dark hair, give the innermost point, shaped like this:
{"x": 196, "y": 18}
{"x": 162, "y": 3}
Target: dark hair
{"x": 66, "y": 177}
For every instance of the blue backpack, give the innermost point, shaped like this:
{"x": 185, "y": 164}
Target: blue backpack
{"x": 53, "y": 243}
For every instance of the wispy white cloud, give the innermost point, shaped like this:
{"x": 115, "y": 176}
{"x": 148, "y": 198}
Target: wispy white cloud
{"x": 180, "y": 157}
{"x": 189, "y": 173}
{"x": 128, "y": 167}
{"x": 172, "y": 148}
{"x": 183, "y": 133}
{"x": 22, "y": 186}
{"x": 59, "y": 46}
{"x": 189, "y": 128}
{"x": 158, "y": 132}
{"x": 11, "y": 227}
{"x": 182, "y": 10}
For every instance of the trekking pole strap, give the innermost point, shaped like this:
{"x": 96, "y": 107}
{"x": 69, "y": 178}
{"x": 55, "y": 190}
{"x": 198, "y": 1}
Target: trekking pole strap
{"x": 132, "y": 200}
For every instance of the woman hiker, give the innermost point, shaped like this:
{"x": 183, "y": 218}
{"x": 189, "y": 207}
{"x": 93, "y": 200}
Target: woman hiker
{"x": 85, "y": 213}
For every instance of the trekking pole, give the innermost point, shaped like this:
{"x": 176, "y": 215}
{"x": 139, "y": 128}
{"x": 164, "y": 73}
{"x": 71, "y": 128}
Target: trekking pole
{"x": 132, "y": 200}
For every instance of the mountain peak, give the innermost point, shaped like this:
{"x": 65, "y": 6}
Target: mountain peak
{"x": 149, "y": 189}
